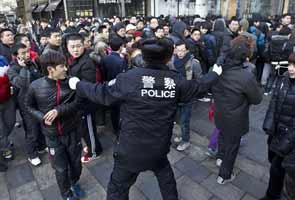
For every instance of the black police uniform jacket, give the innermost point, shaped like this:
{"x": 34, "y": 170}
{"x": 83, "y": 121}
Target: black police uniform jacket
{"x": 148, "y": 97}
{"x": 46, "y": 94}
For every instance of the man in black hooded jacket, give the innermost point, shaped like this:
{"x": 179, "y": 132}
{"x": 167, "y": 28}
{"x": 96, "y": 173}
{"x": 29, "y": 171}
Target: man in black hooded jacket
{"x": 149, "y": 97}
{"x": 82, "y": 66}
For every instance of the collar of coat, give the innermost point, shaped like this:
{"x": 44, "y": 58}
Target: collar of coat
{"x": 157, "y": 66}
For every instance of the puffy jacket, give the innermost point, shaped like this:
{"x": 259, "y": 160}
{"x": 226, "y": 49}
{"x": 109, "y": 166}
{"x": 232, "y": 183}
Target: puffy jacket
{"x": 84, "y": 68}
{"x": 148, "y": 98}
{"x": 281, "y": 110}
{"x": 46, "y": 94}
{"x": 233, "y": 94}
{"x": 210, "y": 49}
{"x": 21, "y": 78}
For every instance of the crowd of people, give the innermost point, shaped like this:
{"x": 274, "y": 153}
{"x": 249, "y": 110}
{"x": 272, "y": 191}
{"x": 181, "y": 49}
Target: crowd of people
{"x": 62, "y": 77}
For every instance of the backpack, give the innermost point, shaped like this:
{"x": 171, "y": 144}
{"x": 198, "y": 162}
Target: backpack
{"x": 4, "y": 85}
{"x": 279, "y": 48}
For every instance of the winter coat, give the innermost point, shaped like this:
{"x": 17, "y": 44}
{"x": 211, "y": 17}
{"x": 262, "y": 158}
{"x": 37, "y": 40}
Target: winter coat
{"x": 46, "y": 94}
{"x": 191, "y": 69}
{"x": 197, "y": 49}
{"x": 50, "y": 47}
{"x": 210, "y": 49}
{"x": 112, "y": 65}
{"x": 21, "y": 78}
{"x": 227, "y": 37}
{"x": 148, "y": 97}
{"x": 177, "y": 32}
{"x": 233, "y": 94}
{"x": 83, "y": 67}
{"x": 281, "y": 110}
{"x": 6, "y": 52}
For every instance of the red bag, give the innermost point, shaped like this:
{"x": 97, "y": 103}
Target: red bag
{"x": 211, "y": 111}
{"x": 4, "y": 89}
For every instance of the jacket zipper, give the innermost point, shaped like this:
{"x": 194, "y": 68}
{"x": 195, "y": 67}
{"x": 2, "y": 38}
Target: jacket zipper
{"x": 59, "y": 130}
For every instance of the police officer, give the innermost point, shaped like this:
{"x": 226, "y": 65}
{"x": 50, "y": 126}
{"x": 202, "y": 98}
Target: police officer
{"x": 148, "y": 97}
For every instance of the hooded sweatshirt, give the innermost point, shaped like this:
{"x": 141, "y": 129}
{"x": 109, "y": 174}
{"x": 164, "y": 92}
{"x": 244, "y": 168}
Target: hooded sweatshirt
{"x": 178, "y": 31}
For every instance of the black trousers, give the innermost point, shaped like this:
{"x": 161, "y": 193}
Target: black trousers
{"x": 289, "y": 185}
{"x": 34, "y": 139}
{"x": 228, "y": 149}
{"x": 65, "y": 154}
{"x": 115, "y": 118}
{"x": 122, "y": 179}
{"x": 89, "y": 133}
{"x": 277, "y": 175}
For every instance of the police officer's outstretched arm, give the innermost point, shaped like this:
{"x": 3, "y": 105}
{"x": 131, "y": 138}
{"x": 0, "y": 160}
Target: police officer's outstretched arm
{"x": 105, "y": 94}
{"x": 190, "y": 89}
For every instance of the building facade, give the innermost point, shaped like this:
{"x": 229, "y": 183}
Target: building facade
{"x": 98, "y": 8}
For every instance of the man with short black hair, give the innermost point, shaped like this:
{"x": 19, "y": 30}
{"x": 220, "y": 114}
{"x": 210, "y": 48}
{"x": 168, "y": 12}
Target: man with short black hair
{"x": 54, "y": 41}
{"x": 6, "y": 42}
{"x": 52, "y": 103}
{"x": 112, "y": 65}
{"x": 21, "y": 73}
{"x": 83, "y": 67}
{"x": 286, "y": 19}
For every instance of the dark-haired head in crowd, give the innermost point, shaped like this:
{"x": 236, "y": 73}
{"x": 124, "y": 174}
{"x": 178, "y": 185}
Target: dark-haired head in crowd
{"x": 6, "y": 42}
{"x": 286, "y": 19}
{"x": 43, "y": 42}
{"x": 87, "y": 40}
{"x": 54, "y": 40}
{"x": 149, "y": 32}
{"x": 119, "y": 32}
{"x": 233, "y": 26}
{"x": 178, "y": 31}
{"x": 24, "y": 39}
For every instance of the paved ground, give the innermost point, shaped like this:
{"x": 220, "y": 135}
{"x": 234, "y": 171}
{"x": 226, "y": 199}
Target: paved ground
{"x": 195, "y": 173}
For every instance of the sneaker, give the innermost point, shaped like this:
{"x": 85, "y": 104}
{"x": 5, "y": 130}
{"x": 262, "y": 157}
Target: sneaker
{"x": 243, "y": 141}
{"x": 72, "y": 198}
{"x": 218, "y": 162}
{"x": 205, "y": 100}
{"x": 183, "y": 146}
{"x": 35, "y": 161}
{"x": 8, "y": 154}
{"x": 17, "y": 125}
{"x": 177, "y": 139}
{"x": 78, "y": 191}
{"x": 211, "y": 153}
{"x": 222, "y": 181}
{"x": 86, "y": 158}
{"x": 42, "y": 151}
{"x": 85, "y": 150}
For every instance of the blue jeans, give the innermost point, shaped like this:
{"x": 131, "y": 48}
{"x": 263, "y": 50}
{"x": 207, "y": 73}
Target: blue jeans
{"x": 184, "y": 117}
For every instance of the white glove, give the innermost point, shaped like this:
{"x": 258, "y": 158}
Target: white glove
{"x": 217, "y": 69}
{"x": 73, "y": 82}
